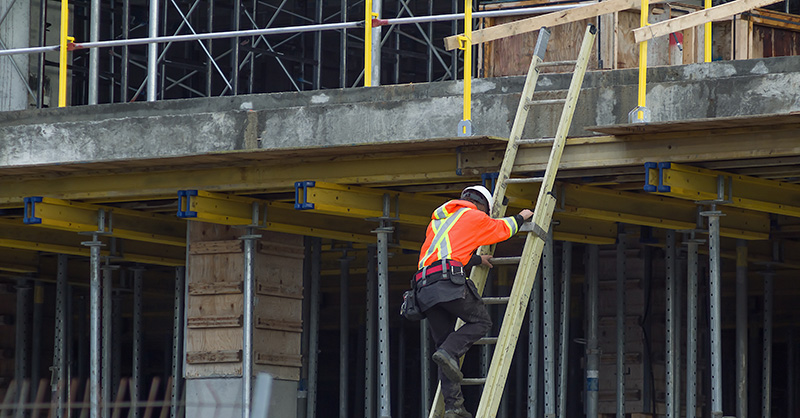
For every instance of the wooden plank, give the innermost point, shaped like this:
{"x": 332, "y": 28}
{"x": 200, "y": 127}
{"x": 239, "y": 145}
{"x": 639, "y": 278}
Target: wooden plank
{"x": 278, "y": 325}
{"x": 531, "y": 24}
{"x": 215, "y": 288}
{"x": 627, "y": 50}
{"x": 773, "y": 19}
{"x": 291, "y": 360}
{"x": 220, "y": 356}
{"x": 698, "y": 124}
{"x": 742, "y": 38}
{"x": 285, "y": 291}
{"x": 697, "y": 18}
{"x": 217, "y": 321}
{"x": 216, "y": 247}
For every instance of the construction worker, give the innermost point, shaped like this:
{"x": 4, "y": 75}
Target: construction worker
{"x": 444, "y": 293}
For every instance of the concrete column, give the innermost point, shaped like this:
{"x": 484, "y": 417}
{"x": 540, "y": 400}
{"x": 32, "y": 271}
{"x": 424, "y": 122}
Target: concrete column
{"x": 14, "y": 32}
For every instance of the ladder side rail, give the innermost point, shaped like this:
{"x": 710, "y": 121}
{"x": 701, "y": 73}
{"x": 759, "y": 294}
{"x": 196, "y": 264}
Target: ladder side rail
{"x": 479, "y": 273}
{"x": 543, "y": 213}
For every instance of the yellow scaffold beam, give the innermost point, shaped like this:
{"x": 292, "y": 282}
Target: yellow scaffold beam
{"x": 233, "y": 210}
{"x": 414, "y": 209}
{"x": 15, "y": 234}
{"x": 596, "y": 203}
{"x": 744, "y": 192}
{"x": 364, "y": 202}
{"x": 116, "y": 222}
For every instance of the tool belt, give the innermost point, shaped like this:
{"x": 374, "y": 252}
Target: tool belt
{"x": 441, "y": 270}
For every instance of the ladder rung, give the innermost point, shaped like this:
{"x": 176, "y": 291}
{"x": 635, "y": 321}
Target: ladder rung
{"x": 473, "y": 381}
{"x": 487, "y": 340}
{"x": 505, "y": 260}
{"x": 534, "y": 141}
{"x": 545, "y": 102}
{"x": 525, "y": 180}
{"x": 556, "y": 63}
{"x": 495, "y": 300}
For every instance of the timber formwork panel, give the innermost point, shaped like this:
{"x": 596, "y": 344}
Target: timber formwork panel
{"x": 216, "y": 303}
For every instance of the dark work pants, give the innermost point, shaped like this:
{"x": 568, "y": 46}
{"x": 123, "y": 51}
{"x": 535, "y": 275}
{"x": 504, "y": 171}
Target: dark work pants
{"x": 442, "y": 321}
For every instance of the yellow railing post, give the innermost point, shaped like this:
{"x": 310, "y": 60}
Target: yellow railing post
{"x": 641, "y": 113}
{"x": 62, "y": 54}
{"x": 465, "y": 43}
{"x": 368, "y": 26}
{"x": 707, "y": 36}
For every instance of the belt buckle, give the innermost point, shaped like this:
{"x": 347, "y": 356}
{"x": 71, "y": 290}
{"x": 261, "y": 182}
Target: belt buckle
{"x": 454, "y": 271}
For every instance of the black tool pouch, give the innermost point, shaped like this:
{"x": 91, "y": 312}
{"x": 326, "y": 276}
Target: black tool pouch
{"x": 410, "y": 309}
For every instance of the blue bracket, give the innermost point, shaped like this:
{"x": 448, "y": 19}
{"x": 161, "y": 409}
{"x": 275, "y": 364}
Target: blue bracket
{"x": 647, "y": 186}
{"x": 184, "y": 200}
{"x": 304, "y": 185}
{"x": 661, "y": 187}
{"x": 30, "y": 210}
{"x": 489, "y": 180}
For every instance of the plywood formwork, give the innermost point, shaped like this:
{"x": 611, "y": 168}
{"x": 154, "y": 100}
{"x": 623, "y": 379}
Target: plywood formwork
{"x": 215, "y": 306}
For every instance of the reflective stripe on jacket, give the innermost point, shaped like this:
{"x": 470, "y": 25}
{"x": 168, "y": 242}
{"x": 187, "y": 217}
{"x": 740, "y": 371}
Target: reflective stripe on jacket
{"x": 458, "y": 228}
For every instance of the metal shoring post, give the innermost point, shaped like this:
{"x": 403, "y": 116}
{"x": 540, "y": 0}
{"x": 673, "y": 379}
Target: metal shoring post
{"x": 465, "y": 126}
{"x": 534, "y": 318}
{"x": 383, "y": 233}
{"x": 401, "y": 374}
{"x": 344, "y": 332}
{"x": 425, "y": 371}
{"x": 60, "y": 342}
{"x": 116, "y": 338}
{"x": 563, "y": 360}
{"x": 679, "y": 276}
{"x": 105, "y": 380}
{"x": 210, "y": 48}
{"x": 372, "y": 292}
{"x": 691, "y": 324}
{"x": 136, "y": 375}
{"x": 247, "y": 342}
{"x": 430, "y": 47}
{"x": 94, "y": 324}
{"x": 592, "y": 347}
{"x": 22, "y": 331}
{"x": 641, "y": 114}
{"x": 548, "y": 306}
{"x": 313, "y": 341}
{"x": 94, "y": 53}
{"x": 177, "y": 340}
{"x": 715, "y": 325}
{"x": 343, "y": 49}
{"x": 317, "y": 48}
{"x": 377, "y": 7}
{"x": 36, "y": 338}
{"x": 766, "y": 382}
{"x": 790, "y": 362}
{"x": 620, "y": 346}
{"x": 40, "y": 63}
{"x": 671, "y": 269}
{"x": 741, "y": 328}
{"x": 152, "y": 52}
{"x": 123, "y": 91}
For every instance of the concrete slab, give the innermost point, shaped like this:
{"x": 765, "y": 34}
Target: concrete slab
{"x": 400, "y": 112}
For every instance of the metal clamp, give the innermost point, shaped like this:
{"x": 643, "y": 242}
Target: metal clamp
{"x": 184, "y": 203}
{"x": 301, "y": 188}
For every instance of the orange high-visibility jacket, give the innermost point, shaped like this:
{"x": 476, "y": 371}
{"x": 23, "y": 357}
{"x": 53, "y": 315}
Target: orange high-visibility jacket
{"x": 458, "y": 228}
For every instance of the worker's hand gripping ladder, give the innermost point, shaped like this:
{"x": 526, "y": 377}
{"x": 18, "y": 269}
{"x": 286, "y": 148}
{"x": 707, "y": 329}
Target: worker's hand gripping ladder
{"x": 506, "y": 341}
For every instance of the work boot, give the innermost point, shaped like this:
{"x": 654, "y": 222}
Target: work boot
{"x": 449, "y": 365}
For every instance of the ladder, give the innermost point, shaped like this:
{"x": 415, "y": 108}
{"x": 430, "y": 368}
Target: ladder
{"x": 517, "y": 302}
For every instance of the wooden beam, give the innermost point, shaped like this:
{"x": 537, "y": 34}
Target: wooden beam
{"x": 537, "y": 22}
{"x": 697, "y": 18}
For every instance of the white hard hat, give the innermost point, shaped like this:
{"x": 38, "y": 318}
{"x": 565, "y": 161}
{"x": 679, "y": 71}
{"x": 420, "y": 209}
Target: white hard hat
{"x": 482, "y": 192}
